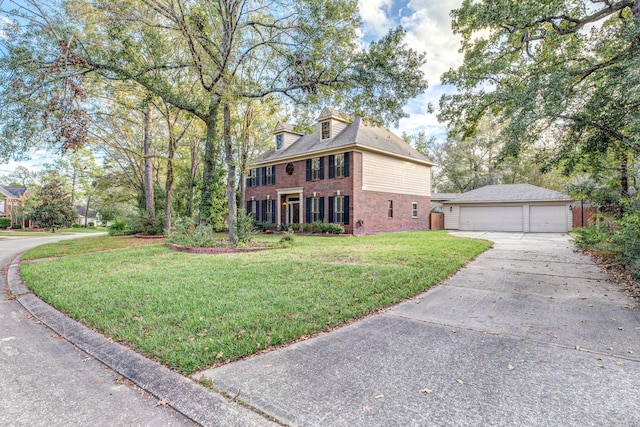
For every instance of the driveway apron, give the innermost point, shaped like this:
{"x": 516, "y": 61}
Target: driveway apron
{"x": 529, "y": 333}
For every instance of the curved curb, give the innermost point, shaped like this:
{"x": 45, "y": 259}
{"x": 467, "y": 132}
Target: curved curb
{"x": 191, "y": 399}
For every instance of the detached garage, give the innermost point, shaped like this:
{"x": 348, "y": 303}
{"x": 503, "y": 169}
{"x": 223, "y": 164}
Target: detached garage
{"x": 511, "y": 207}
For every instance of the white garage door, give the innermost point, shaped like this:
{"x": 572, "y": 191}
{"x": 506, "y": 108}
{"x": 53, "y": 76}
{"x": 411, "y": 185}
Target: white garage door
{"x": 491, "y": 218}
{"x": 548, "y": 219}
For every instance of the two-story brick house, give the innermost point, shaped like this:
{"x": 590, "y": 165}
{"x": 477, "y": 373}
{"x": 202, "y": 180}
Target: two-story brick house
{"x": 11, "y": 201}
{"x": 363, "y": 177}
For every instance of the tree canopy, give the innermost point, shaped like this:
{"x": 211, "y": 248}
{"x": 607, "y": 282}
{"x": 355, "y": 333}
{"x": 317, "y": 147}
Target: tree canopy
{"x": 565, "y": 71}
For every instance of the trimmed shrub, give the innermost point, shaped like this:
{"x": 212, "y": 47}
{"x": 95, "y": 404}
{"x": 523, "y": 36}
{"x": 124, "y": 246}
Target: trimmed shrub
{"x": 5, "y": 222}
{"x": 119, "y": 228}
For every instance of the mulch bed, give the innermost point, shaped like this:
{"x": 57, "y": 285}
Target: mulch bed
{"x": 149, "y": 236}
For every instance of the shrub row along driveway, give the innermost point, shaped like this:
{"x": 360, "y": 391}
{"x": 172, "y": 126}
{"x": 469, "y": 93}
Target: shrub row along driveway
{"x": 530, "y": 333}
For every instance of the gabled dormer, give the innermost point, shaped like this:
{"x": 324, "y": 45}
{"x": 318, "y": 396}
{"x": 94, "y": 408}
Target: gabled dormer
{"x": 285, "y": 135}
{"x": 331, "y": 122}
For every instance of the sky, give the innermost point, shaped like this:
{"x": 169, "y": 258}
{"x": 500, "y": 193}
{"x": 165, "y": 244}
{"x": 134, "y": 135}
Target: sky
{"x": 428, "y": 27}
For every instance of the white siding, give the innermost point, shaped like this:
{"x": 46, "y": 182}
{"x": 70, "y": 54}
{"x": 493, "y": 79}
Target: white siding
{"x": 390, "y": 175}
{"x": 451, "y": 217}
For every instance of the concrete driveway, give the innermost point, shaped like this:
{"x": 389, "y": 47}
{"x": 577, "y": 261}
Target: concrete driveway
{"x": 530, "y": 333}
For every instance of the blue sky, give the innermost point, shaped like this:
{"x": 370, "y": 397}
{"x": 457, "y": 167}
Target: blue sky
{"x": 428, "y": 27}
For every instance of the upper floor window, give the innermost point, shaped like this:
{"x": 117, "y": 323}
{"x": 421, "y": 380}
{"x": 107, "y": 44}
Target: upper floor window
{"x": 339, "y": 165}
{"x": 269, "y": 176}
{"x": 315, "y": 168}
{"x": 254, "y": 177}
{"x": 279, "y": 141}
{"x": 326, "y": 130}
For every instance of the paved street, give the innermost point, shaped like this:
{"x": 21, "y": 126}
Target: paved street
{"x": 47, "y": 381}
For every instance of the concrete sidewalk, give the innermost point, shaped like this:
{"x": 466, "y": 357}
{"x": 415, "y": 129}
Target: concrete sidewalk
{"x": 530, "y": 333}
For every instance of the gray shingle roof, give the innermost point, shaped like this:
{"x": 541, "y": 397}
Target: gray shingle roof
{"x": 355, "y": 135}
{"x": 510, "y": 193}
{"x": 13, "y": 192}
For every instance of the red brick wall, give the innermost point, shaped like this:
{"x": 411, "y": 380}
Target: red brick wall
{"x": 368, "y": 210}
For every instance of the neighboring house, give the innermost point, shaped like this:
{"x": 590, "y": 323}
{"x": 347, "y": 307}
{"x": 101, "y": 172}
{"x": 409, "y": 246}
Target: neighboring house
{"x": 83, "y": 218}
{"x": 510, "y": 207}
{"x": 12, "y": 198}
{"x": 363, "y": 177}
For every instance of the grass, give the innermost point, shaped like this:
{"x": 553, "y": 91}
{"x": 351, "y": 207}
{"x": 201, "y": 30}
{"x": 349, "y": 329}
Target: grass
{"x": 86, "y": 245}
{"x": 193, "y": 311}
{"x": 22, "y": 233}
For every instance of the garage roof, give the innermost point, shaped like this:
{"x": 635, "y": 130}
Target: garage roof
{"x": 510, "y": 193}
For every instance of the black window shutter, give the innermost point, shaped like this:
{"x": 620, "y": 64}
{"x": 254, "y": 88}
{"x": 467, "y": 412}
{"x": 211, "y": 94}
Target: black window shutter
{"x": 332, "y": 208}
{"x": 308, "y": 169}
{"x": 346, "y": 210}
{"x": 321, "y": 209}
{"x": 346, "y": 164}
{"x": 308, "y": 210}
{"x": 273, "y": 174}
{"x": 264, "y": 175}
{"x": 321, "y": 167}
{"x": 273, "y": 211}
{"x": 332, "y": 163}
{"x": 248, "y": 207}
{"x": 256, "y": 214}
{"x": 249, "y": 181}
{"x": 264, "y": 211}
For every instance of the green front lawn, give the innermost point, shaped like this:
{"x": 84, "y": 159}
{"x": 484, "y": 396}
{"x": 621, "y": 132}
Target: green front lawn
{"x": 193, "y": 311}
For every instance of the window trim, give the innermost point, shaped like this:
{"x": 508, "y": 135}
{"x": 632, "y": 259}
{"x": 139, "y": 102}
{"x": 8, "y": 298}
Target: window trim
{"x": 279, "y": 141}
{"x": 253, "y": 176}
{"x": 414, "y": 209}
{"x": 327, "y": 134}
{"x": 338, "y": 213}
{"x": 315, "y": 171}
{"x": 390, "y": 209}
{"x": 269, "y": 175}
{"x": 339, "y": 165}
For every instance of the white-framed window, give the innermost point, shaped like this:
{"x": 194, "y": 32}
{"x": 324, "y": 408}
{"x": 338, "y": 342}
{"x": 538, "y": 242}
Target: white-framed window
{"x": 339, "y": 165}
{"x": 268, "y": 211}
{"x": 390, "y": 208}
{"x": 279, "y": 141}
{"x": 325, "y": 130}
{"x": 254, "y": 177}
{"x": 315, "y": 168}
{"x": 414, "y": 209}
{"x": 269, "y": 175}
{"x": 339, "y": 210}
{"x": 315, "y": 209}
{"x": 254, "y": 209}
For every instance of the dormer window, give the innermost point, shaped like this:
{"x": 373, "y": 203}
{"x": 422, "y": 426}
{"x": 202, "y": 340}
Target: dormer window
{"x": 279, "y": 141}
{"x": 326, "y": 130}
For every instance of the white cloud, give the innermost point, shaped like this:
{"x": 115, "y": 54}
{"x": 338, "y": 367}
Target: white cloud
{"x": 375, "y": 16}
{"x": 429, "y": 30}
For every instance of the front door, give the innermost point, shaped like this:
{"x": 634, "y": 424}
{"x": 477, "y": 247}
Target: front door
{"x": 293, "y": 210}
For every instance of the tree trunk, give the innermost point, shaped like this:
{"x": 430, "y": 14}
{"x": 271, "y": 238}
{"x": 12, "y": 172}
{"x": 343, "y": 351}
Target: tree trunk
{"x": 169, "y": 181}
{"x": 148, "y": 162}
{"x": 231, "y": 173}
{"x": 194, "y": 152}
{"x": 86, "y": 212}
{"x": 210, "y": 151}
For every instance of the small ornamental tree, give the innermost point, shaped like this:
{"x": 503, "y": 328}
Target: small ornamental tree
{"x": 55, "y": 209}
